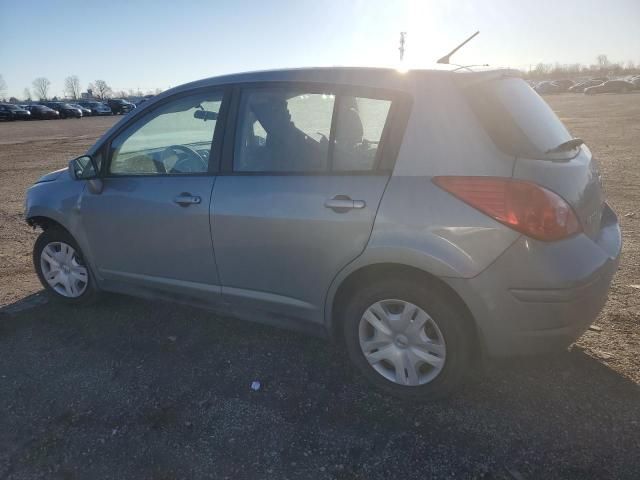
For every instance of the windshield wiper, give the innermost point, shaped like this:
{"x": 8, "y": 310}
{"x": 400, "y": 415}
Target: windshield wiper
{"x": 566, "y": 146}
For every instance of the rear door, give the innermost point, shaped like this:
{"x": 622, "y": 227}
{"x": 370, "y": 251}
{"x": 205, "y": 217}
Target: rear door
{"x": 304, "y": 173}
{"x": 522, "y": 124}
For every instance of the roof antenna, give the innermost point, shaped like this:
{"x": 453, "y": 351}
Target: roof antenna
{"x": 447, "y": 57}
{"x": 403, "y": 36}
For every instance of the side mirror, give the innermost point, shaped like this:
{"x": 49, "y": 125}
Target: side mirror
{"x": 85, "y": 168}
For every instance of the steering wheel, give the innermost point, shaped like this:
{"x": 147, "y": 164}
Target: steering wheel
{"x": 191, "y": 163}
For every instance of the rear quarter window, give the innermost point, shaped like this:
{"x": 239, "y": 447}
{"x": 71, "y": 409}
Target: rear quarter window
{"x": 517, "y": 119}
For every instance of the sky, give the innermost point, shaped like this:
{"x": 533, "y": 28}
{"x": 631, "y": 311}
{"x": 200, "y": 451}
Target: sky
{"x": 156, "y": 44}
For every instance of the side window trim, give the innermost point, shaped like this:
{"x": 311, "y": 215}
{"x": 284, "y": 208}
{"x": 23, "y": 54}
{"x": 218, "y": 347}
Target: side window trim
{"x": 393, "y": 132}
{"x": 216, "y": 147}
{"x": 390, "y": 140}
{"x": 332, "y": 134}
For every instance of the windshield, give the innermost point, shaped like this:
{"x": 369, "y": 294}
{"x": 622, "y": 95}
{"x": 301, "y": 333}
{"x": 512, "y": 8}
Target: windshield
{"x": 518, "y": 120}
{"x": 11, "y": 107}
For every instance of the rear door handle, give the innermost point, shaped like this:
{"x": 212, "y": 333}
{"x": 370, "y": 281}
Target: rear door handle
{"x": 186, "y": 199}
{"x": 343, "y": 203}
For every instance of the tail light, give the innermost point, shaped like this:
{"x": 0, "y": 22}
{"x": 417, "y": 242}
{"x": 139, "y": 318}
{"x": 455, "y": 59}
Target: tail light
{"x": 524, "y": 206}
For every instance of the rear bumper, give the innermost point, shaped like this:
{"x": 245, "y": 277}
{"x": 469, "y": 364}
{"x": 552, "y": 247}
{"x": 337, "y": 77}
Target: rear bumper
{"x": 540, "y": 297}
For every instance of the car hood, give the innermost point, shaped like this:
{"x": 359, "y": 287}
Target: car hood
{"x": 52, "y": 176}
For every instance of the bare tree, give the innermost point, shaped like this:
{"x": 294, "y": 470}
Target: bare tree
{"x": 103, "y": 90}
{"x": 41, "y": 87}
{"x": 603, "y": 61}
{"x": 541, "y": 69}
{"x": 26, "y": 94}
{"x": 3, "y": 87}
{"x": 72, "y": 86}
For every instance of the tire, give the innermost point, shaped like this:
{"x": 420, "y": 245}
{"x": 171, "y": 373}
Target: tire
{"x": 453, "y": 330}
{"x": 87, "y": 291}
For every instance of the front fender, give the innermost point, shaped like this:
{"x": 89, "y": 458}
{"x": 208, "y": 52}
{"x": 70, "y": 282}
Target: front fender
{"x": 59, "y": 201}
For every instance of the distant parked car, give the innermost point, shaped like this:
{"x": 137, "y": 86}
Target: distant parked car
{"x": 64, "y": 109}
{"x": 14, "y": 112}
{"x": 42, "y": 112}
{"x": 580, "y": 87}
{"x": 565, "y": 84}
{"x": 120, "y": 106}
{"x": 547, "y": 87}
{"x": 5, "y": 115}
{"x": 636, "y": 82}
{"x": 96, "y": 108}
{"x": 85, "y": 111}
{"x": 612, "y": 86}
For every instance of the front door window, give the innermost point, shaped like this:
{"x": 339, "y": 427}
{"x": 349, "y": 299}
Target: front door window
{"x": 174, "y": 139}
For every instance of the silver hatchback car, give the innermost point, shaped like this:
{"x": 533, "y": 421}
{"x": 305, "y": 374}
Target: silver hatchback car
{"x": 420, "y": 219}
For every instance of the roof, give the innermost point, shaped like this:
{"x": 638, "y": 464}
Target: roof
{"x": 361, "y": 76}
{"x": 364, "y": 76}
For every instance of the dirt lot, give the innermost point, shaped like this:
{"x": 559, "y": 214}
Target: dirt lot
{"x": 129, "y": 389}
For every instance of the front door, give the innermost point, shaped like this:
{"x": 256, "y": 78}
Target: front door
{"x": 150, "y": 224}
{"x": 300, "y": 195}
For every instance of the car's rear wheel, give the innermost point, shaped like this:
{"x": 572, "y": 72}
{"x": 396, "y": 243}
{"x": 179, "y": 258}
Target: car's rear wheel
{"x": 410, "y": 339}
{"x": 61, "y": 268}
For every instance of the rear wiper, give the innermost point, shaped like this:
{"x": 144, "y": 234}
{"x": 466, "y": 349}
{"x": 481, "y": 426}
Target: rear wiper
{"x": 568, "y": 145}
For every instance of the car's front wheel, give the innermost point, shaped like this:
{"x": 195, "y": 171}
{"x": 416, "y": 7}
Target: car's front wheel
{"x": 411, "y": 339}
{"x": 61, "y": 268}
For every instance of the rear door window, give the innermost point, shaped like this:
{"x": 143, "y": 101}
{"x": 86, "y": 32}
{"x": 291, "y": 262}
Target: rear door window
{"x": 518, "y": 120}
{"x": 360, "y": 124}
{"x": 283, "y": 130}
{"x": 292, "y": 130}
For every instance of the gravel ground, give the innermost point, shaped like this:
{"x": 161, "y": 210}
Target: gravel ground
{"x": 130, "y": 389}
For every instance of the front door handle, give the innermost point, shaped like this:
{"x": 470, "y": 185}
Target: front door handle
{"x": 343, "y": 203}
{"x": 186, "y": 199}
